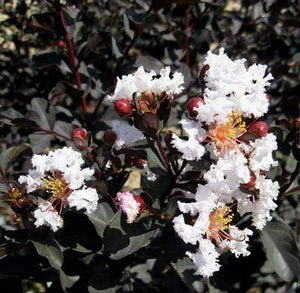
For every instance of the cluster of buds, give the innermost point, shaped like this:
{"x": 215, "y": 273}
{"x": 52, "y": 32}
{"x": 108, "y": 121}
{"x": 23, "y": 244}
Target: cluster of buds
{"x": 21, "y": 204}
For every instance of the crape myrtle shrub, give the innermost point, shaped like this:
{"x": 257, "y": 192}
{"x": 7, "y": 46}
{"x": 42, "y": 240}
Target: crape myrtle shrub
{"x": 71, "y": 228}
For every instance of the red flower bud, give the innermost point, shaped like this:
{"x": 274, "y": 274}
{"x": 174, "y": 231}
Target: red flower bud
{"x": 80, "y": 138}
{"x": 192, "y": 106}
{"x": 139, "y": 199}
{"x": 147, "y": 122}
{"x": 62, "y": 44}
{"x": 251, "y": 183}
{"x": 259, "y": 129}
{"x": 123, "y": 107}
{"x": 109, "y": 138}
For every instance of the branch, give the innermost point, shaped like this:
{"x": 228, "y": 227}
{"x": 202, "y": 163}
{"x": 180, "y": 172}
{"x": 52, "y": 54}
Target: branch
{"x": 73, "y": 60}
{"x": 163, "y": 153}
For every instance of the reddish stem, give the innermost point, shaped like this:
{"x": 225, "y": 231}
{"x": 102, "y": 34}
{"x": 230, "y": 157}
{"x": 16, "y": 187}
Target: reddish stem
{"x": 163, "y": 153}
{"x": 74, "y": 62}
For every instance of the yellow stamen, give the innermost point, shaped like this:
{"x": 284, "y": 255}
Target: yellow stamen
{"x": 220, "y": 219}
{"x": 55, "y": 184}
{"x": 14, "y": 193}
{"x": 225, "y": 135}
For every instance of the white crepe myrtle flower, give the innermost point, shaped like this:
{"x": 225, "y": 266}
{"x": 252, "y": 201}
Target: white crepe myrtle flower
{"x": 130, "y": 204}
{"x": 206, "y": 258}
{"x": 191, "y": 149}
{"x": 142, "y": 81}
{"x": 261, "y": 157}
{"x": 126, "y": 134}
{"x": 212, "y": 222}
{"x": 60, "y": 174}
{"x": 228, "y": 173}
{"x": 45, "y": 215}
{"x": 85, "y": 198}
{"x": 263, "y": 205}
{"x": 268, "y": 193}
{"x": 238, "y": 248}
{"x": 231, "y": 87}
{"x": 65, "y": 160}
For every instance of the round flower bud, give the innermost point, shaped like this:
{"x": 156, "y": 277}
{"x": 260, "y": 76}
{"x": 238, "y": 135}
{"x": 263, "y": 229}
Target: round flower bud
{"x": 147, "y": 122}
{"x": 259, "y": 129}
{"x": 109, "y": 138}
{"x": 80, "y": 138}
{"x": 251, "y": 183}
{"x": 139, "y": 199}
{"x": 123, "y": 107}
{"x": 192, "y": 106}
{"x": 62, "y": 44}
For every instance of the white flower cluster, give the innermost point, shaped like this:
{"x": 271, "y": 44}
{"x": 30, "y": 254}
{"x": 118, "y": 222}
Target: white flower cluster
{"x": 142, "y": 81}
{"x": 60, "y": 174}
{"x": 233, "y": 93}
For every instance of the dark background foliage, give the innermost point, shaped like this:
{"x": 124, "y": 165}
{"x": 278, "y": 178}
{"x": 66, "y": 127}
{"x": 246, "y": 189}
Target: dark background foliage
{"x": 112, "y": 37}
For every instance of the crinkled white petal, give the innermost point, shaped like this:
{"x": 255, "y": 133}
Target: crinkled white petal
{"x": 230, "y": 86}
{"x": 46, "y": 215}
{"x": 261, "y": 157}
{"x": 268, "y": 193}
{"x": 206, "y": 258}
{"x": 228, "y": 173}
{"x": 85, "y": 198}
{"x": 33, "y": 180}
{"x": 65, "y": 160}
{"x": 191, "y": 148}
{"x": 126, "y": 134}
{"x": 239, "y": 244}
{"x": 188, "y": 233}
{"x": 76, "y": 177}
{"x": 142, "y": 81}
{"x": 128, "y": 205}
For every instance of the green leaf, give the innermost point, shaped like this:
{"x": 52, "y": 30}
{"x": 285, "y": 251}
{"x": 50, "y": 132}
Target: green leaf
{"x": 128, "y": 31}
{"x": 47, "y": 59}
{"x": 67, "y": 281}
{"x": 186, "y": 269}
{"x": 115, "y": 48}
{"x": 282, "y": 250}
{"x": 10, "y": 155}
{"x": 43, "y": 113}
{"x": 101, "y": 217}
{"x": 50, "y": 249}
{"x": 3, "y": 188}
{"x": 121, "y": 239}
{"x": 140, "y": 19}
{"x": 63, "y": 128}
{"x": 39, "y": 141}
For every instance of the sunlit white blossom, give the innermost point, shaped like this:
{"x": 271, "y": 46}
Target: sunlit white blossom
{"x": 143, "y": 81}
{"x": 191, "y": 149}
{"x": 231, "y": 87}
{"x": 206, "y": 258}
{"x": 261, "y": 158}
{"x": 46, "y": 215}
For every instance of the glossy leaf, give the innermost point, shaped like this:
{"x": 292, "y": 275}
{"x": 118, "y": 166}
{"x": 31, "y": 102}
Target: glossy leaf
{"x": 282, "y": 250}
